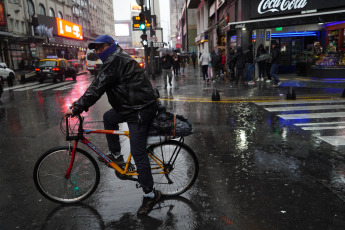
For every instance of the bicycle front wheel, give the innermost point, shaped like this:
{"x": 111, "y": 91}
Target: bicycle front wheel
{"x": 50, "y": 170}
{"x": 174, "y": 167}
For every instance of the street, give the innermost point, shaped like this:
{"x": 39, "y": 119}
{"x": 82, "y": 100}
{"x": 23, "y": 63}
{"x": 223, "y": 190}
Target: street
{"x": 266, "y": 163}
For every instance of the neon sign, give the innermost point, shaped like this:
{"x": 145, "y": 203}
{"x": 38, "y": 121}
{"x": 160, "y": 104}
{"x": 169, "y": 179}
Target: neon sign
{"x": 69, "y": 29}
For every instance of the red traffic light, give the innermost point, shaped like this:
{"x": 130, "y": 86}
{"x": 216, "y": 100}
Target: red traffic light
{"x": 143, "y": 36}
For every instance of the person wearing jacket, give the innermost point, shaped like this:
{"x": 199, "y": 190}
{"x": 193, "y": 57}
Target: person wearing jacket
{"x": 262, "y": 64}
{"x": 133, "y": 100}
{"x": 176, "y": 64}
{"x": 204, "y": 60}
{"x": 240, "y": 64}
{"x": 231, "y": 63}
{"x": 275, "y": 64}
{"x": 167, "y": 62}
{"x": 216, "y": 63}
{"x": 249, "y": 57}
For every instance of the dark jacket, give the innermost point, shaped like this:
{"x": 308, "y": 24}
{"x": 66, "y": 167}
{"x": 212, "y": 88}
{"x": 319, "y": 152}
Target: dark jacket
{"x": 249, "y": 55}
{"x": 215, "y": 60}
{"x": 166, "y": 61}
{"x": 261, "y": 50}
{"x": 128, "y": 89}
{"x": 176, "y": 63}
{"x": 231, "y": 59}
{"x": 276, "y": 55}
{"x": 193, "y": 57}
{"x": 239, "y": 58}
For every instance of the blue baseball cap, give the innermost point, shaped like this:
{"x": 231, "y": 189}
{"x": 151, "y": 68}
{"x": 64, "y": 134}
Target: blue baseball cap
{"x": 100, "y": 40}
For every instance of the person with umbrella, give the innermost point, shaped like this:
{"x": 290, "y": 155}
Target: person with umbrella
{"x": 261, "y": 63}
{"x": 166, "y": 63}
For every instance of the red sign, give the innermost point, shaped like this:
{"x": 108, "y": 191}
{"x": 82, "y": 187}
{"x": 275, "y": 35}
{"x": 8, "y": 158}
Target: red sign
{"x": 2, "y": 15}
{"x": 69, "y": 29}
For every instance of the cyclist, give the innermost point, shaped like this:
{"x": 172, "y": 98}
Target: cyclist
{"x": 133, "y": 100}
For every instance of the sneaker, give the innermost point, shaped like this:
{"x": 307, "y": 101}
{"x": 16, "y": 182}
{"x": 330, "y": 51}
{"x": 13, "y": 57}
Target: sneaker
{"x": 276, "y": 85}
{"x": 148, "y": 203}
{"x": 268, "y": 81}
{"x": 262, "y": 79}
{"x": 251, "y": 83}
{"x": 258, "y": 79}
{"x": 117, "y": 158}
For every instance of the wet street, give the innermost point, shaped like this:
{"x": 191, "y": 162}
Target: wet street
{"x": 266, "y": 163}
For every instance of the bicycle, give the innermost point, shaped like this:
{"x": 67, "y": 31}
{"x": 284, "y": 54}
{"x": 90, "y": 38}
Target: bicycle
{"x": 68, "y": 174}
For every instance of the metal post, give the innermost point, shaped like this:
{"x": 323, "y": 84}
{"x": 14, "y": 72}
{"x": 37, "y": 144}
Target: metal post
{"x": 152, "y": 61}
{"x": 187, "y": 26}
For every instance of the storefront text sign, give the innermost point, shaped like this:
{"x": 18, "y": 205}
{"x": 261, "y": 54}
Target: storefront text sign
{"x": 2, "y": 15}
{"x": 69, "y": 29}
{"x": 268, "y": 8}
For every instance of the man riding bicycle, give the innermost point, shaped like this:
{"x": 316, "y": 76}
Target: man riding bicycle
{"x": 133, "y": 100}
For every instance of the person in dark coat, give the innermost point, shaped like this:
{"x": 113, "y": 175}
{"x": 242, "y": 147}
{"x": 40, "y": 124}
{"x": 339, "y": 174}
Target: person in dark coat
{"x": 240, "y": 64}
{"x": 249, "y": 57}
{"x": 166, "y": 63}
{"x": 193, "y": 56}
{"x": 176, "y": 64}
{"x": 133, "y": 100}
{"x": 231, "y": 63}
{"x": 261, "y": 64}
{"x": 275, "y": 63}
{"x": 216, "y": 64}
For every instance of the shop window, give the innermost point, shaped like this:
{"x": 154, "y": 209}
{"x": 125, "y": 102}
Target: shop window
{"x": 51, "y": 12}
{"x": 60, "y": 15}
{"x": 41, "y": 9}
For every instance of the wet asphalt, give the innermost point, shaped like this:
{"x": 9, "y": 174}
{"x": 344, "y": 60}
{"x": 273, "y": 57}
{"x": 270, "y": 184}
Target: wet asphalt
{"x": 258, "y": 169}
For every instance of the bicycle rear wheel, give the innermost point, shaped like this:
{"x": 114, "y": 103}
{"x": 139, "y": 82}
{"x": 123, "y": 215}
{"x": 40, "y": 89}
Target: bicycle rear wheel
{"x": 180, "y": 164}
{"x": 50, "y": 170}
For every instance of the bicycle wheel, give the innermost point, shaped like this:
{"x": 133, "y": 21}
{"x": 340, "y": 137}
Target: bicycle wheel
{"x": 50, "y": 170}
{"x": 181, "y": 167}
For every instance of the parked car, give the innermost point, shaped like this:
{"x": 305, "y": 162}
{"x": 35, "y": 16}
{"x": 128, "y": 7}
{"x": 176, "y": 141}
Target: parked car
{"x": 6, "y": 74}
{"x": 77, "y": 64}
{"x": 55, "y": 68}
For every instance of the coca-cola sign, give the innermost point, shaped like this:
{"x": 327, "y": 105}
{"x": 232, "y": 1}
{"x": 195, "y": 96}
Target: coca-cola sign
{"x": 264, "y": 8}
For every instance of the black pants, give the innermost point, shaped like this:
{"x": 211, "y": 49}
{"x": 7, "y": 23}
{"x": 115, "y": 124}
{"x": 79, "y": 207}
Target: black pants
{"x": 176, "y": 68}
{"x": 262, "y": 69}
{"x": 205, "y": 72}
{"x": 138, "y": 134}
{"x": 239, "y": 74}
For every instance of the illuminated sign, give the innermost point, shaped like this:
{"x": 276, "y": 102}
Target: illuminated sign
{"x": 2, "y": 15}
{"x": 69, "y": 29}
{"x": 136, "y": 23}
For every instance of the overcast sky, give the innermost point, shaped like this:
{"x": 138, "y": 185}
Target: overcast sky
{"x": 122, "y": 12}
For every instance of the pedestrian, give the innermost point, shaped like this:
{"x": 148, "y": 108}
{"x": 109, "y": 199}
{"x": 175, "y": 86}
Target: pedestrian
{"x": 193, "y": 59}
{"x": 261, "y": 64}
{"x": 133, "y": 100}
{"x": 215, "y": 64}
{"x": 183, "y": 64}
{"x": 166, "y": 63}
{"x": 240, "y": 64}
{"x": 204, "y": 60}
{"x": 223, "y": 63}
{"x": 231, "y": 63}
{"x": 209, "y": 69}
{"x": 275, "y": 63}
{"x": 249, "y": 57}
{"x": 176, "y": 64}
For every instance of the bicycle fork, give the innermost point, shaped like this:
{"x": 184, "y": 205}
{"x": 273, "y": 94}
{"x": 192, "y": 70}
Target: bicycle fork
{"x": 68, "y": 173}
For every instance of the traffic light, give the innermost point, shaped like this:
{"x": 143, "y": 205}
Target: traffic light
{"x": 144, "y": 39}
{"x": 142, "y": 21}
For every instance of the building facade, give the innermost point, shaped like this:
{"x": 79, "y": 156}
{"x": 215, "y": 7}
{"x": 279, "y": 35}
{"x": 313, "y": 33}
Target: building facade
{"x": 29, "y": 29}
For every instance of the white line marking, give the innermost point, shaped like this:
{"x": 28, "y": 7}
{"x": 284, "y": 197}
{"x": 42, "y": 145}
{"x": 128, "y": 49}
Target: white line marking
{"x": 300, "y": 102}
{"x": 323, "y": 127}
{"x": 312, "y": 115}
{"x": 33, "y": 87}
{"x": 296, "y": 108}
{"x": 334, "y": 140}
{"x": 21, "y": 86}
{"x": 324, "y": 123}
{"x": 53, "y": 86}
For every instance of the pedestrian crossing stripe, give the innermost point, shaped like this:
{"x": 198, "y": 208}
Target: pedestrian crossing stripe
{"x": 53, "y": 86}
{"x": 20, "y": 86}
{"x": 31, "y": 87}
{"x": 295, "y": 106}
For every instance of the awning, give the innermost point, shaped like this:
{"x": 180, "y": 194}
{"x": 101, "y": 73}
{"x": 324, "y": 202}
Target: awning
{"x": 301, "y": 19}
{"x": 6, "y": 34}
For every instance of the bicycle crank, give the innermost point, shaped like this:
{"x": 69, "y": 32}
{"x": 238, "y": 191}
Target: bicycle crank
{"x": 124, "y": 176}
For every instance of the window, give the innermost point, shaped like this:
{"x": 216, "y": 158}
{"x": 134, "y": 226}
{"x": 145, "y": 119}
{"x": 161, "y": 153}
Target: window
{"x": 51, "y": 12}
{"x": 41, "y": 10}
{"x": 60, "y": 15}
{"x": 31, "y": 8}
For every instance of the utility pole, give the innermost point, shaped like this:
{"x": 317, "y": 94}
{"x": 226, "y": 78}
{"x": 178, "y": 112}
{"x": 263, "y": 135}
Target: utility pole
{"x": 144, "y": 35}
{"x": 187, "y": 26}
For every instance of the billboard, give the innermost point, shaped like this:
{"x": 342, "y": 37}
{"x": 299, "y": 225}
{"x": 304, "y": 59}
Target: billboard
{"x": 121, "y": 29}
{"x": 69, "y": 29}
{"x": 2, "y": 15}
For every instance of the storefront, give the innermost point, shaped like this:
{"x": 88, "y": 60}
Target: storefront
{"x": 310, "y": 33}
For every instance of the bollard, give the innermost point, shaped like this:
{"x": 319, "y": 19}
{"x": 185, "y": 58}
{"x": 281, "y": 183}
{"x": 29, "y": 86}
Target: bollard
{"x": 215, "y": 95}
{"x": 22, "y": 79}
{"x": 10, "y": 81}
{"x": 291, "y": 95}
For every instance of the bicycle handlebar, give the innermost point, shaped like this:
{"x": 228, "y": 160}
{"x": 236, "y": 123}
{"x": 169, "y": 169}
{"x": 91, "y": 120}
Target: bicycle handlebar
{"x": 79, "y": 135}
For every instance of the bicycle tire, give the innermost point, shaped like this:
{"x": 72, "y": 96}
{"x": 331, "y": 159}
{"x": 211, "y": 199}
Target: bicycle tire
{"x": 49, "y": 175}
{"x": 182, "y": 174}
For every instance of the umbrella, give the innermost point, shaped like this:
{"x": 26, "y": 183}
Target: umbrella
{"x": 263, "y": 57}
{"x": 165, "y": 50}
